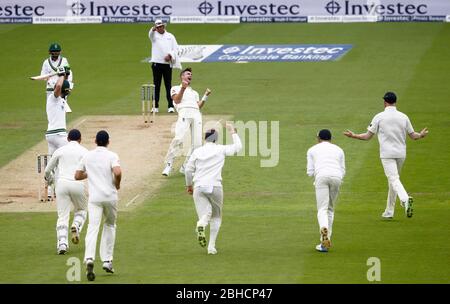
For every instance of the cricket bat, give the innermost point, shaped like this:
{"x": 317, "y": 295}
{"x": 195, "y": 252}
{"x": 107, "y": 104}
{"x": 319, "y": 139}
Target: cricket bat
{"x": 43, "y": 77}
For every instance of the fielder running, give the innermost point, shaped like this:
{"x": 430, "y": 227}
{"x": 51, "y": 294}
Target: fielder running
{"x": 69, "y": 191}
{"x": 102, "y": 169}
{"x": 188, "y": 105}
{"x": 204, "y": 170}
{"x": 326, "y": 162}
{"x": 391, "y": 126}
{"x": 51, "y": 65}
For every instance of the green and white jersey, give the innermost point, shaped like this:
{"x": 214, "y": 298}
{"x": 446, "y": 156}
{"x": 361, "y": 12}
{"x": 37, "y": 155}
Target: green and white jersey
{"x": 50, "y": 66}
{"x": 56, "y": 114}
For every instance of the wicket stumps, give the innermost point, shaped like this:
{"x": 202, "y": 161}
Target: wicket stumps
{"x": 42, "y": 161}
{"x": 148, "y": 102}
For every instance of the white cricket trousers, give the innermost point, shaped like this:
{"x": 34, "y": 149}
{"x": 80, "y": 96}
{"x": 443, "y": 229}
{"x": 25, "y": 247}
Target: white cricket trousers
{"x": 69, "y": 193}
{"x": 96, "y": 210}
{"x": 55, "y": 141}
{"x": 188, "y": 119}
{"x": 327, "y": 190}
{"x": 208, "y": 204}
{"x": 392, "y": 168}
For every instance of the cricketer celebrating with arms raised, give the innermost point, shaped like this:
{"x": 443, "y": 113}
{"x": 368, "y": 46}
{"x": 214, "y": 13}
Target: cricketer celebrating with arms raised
{"x": 204, "y": 170}
{"x": 392, "y": 126}
{"x": 188, "y": 105}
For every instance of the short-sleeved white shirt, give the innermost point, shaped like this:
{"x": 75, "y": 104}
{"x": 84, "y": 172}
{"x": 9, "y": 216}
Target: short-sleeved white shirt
{"x": 66, "y": 160}
{"x": 190, "y": 98}
{"x": 98, "y": 164}
{"x": 49, "y": 66}
{"x": 391, "y": 126}
{"x": 56, "y": 113}
{"x": 162, "y": 45}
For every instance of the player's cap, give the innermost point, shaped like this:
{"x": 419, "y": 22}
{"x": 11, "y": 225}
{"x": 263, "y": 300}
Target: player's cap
{"x": 324, "y": 134}
{"x": 54, "y": 47}
{"x": 102, "y": 138}
{"x": 390, "y": 97}
{"x": 159, "y": 23}
{"x": 211, "y": 135}
{"x": 74, "y": 134}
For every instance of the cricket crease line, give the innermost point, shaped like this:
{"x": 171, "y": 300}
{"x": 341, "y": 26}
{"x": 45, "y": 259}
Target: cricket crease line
{"x": 132, "y": 200}
{"x": 79, "y": 124}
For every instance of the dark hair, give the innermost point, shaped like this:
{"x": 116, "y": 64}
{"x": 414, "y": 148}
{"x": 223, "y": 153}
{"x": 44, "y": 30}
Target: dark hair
{"x": 390, "y": 97}
{"x": 74, "y": 134}
{"x": 211, "y": 135}
{"x": 102, "y": 138}
{"x": 186, "y": 70}
{"x": 324, "y": 134}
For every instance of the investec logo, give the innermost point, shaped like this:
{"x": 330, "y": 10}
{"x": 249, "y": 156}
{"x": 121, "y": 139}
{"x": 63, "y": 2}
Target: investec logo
{"x": 374, "y": 7}
{"x": 82, "y": 8}
{"x": 218, "y": 8}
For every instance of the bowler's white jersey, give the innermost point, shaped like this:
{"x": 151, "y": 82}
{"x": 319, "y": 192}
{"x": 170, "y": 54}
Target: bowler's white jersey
{"x": 391, "y": 126}
{"x": 190, "y": 98}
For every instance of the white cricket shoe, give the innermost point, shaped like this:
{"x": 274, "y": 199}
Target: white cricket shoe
{"x": 320, "y": 248}
{"x": 387, "y": 215}
{"x": 75, "y": 234}
{"x": 90, "y": 270}
{"x": 167, "y": 169}
{"x": 155, "y": 110}
{"x": 62, "y": 249}
{"x": 212, "y": 251}
{"x": 108, "y": 266}
{"x": 171, "y": 110}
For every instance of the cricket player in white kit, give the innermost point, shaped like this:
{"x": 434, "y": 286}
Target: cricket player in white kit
{"x": 204, "y": 170}
{"x": 188, "y": 105}
{"x": 56, "y": 134}
{"x": 70, "y": 192}
{"x": 102, "y": 169}
{"x": 51, "y": 65}
{"x": 392, "y": 126}
{"x": 326, "y": 162}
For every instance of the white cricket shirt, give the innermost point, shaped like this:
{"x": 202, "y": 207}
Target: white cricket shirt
{"x": 98, "y": 164}
{"x": 325, "y": 160}
{"x": 162, "y": 45}
{"x": 190, "y": 98}
{"x": 66, "y": 160}
{"x": 391, "y": 126}
{"x": 56, "y": 114}
{"x": 206, "y": 163}
{"x": 49, "y": 66}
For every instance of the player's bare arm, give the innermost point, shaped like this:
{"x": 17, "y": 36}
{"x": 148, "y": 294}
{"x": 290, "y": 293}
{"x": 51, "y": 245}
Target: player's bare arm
{"x": 117, "y": 176}
{"x": 58, "y": 86}
{"x": 179, "y": 96}
{"x": 419, "y": 135}
{"x": 363, "y": 136}
{"x": 202, "y": 101}
{"x": 80, "y": 175}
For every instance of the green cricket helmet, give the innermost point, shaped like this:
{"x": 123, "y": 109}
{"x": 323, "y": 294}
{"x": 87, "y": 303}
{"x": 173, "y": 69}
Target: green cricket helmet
{"x": 54, "y": 47}
{"x": 65, "y": 88}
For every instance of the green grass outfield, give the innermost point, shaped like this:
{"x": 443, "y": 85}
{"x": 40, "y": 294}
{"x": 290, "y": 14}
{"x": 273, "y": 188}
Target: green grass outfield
{"x": 269, "y": 229}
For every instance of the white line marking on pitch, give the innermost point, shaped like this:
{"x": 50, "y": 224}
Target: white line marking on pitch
{"x": 132, "y": 200}
{"x": 79, "y": 124}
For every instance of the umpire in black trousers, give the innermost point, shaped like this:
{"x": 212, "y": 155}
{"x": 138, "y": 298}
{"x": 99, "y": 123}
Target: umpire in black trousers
{"x": 164, "y": 47}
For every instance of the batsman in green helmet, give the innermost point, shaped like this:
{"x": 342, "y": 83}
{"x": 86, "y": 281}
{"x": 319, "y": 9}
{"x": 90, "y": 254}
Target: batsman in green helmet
{"x": 50, "y": 66}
